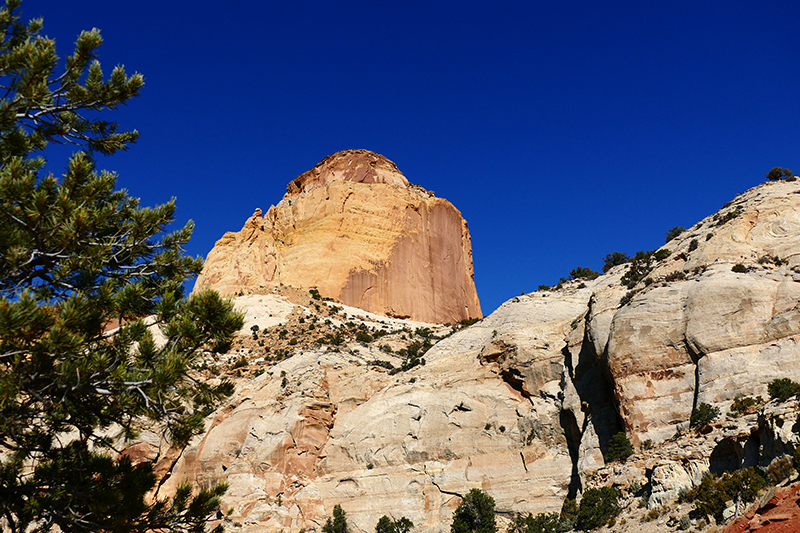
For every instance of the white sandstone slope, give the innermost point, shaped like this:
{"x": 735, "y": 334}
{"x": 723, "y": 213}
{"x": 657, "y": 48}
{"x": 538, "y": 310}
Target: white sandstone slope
{"x": 521, "y": 404}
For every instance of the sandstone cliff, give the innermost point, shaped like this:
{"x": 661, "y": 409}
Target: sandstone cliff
{"x": 521, "y": 404}
{"x": 356, "y": 230}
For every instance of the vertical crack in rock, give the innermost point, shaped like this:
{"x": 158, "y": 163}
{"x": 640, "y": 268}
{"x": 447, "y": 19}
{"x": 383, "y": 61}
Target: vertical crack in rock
{"x": 573, "y": 435}
{"x": 695, "y": 357}
{"x": 595, "y": 390}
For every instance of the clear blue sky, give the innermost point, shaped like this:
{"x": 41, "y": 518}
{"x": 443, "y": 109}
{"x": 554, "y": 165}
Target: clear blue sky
{"x": 561, "y": 130}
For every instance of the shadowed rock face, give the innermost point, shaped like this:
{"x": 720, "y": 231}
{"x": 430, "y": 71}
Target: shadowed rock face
{"x": 355, "y": 229}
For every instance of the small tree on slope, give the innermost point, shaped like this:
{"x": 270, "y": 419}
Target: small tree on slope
{"x": 75, "y": 255}
{"x": 475, "y": 514}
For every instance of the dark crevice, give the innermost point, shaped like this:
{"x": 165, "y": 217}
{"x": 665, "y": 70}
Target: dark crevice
{"x": 695, "y": 357}
{"x": 515, "y": 380}
{"x": 752, "y": 450}
{"x": 573, "y": 436}
{"x": 595, "y": 389}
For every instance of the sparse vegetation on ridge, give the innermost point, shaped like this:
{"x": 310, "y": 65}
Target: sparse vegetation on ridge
{"x": 778, "y": 173}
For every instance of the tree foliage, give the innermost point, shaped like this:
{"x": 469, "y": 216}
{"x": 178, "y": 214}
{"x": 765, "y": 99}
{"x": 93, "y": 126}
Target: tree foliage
{"x": 710, "y": 497}
{"x": 673, "y": 232}
{"x": 703, "y": 414}
{"x": 597, "y": 507}
{"x": 540, "y": 523}
{"x": 387, "y": 525}
{"x": 613, "y": 259}
{"x": 338, "y": 524}
{"x": 475, "y": 514}
{"x": 778, "y": 173}
{"x": 782, "y": 388}
{"x": 619, "y": 447}
{"x": 580, "y": 272}
{"x": 78, "y": 257}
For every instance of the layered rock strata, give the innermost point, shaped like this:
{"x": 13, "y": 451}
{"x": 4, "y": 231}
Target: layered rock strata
{"x": 356, "y": 230}
{"x": 523, "y": 403}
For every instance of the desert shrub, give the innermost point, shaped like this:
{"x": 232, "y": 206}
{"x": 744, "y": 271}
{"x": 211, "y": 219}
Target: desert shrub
{"x": 778, "y": 173}
{"x": 241, "y": 362}
{"x": 640, "y": 267}
{"x": 728, "y": 216}
{"x": 540, "y": 523}
{"x": 597, "y": 507}
{"x": 674, "y": 232}
{"x": 315, "y": 294}
{"x": 652, "y": 514}
{"x": 363, "y": 336}
{"x": 580, "y": 272}
{"x": 627, "y": 298}
{"x": 740, "y": 268}
{"x": 782, "y": 388}
{"x": 568, "y": 515}
{"x": 675, "y": 276}
{"x": 387, "y": 525}
{"x": 613, "y": 259}
{"x": 779, "y": 469}
{"x": 796, "y": 459}
{"x": 660, "y": 255}
{"x": 423, "y": 332}
{"x": 711, "y": 495}
{"x": 742, "y": 405}
{"x": 475, "y": 514}
{"x": 619, "y": 448}
{"x": 703, "y": 415}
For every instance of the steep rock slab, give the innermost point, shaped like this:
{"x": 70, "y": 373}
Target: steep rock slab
{"x": 355, "y": 229}
{"x": 328, "y": 427}
{"x": 716, "y": 334}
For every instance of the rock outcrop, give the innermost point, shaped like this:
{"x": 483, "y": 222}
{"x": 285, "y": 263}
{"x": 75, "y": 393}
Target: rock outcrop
{"x": 356, "y": 230}
{"x": 521, "y": 404}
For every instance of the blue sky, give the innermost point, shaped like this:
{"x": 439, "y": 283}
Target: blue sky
{"x": 562, "y": 130}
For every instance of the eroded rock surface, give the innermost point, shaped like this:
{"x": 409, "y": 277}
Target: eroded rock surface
{"x": 523, "y": 403}
{"x": 356, "y": 230}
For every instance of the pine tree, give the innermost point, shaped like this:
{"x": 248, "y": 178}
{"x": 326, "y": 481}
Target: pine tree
{"x": 339, "y": 522}
{"x": 387, "y": 525}
{"x": 475, "y": 514}
{"x": 76, "y": 258}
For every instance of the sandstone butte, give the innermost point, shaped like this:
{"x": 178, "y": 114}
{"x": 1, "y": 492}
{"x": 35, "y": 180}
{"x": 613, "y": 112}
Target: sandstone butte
{"x": 356, "y": 230}
{"x": 523, "y": 403}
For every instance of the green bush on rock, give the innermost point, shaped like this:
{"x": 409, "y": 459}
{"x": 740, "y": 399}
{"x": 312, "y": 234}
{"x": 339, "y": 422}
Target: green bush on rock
{"x": 597, "y": 508}
{"x": 475, "y": 514}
